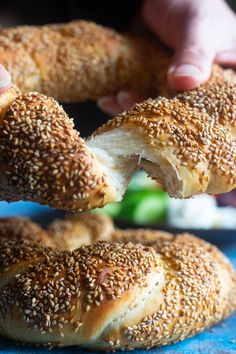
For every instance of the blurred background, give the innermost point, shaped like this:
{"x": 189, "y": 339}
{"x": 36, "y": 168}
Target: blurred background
{"x": 144, "y": 202}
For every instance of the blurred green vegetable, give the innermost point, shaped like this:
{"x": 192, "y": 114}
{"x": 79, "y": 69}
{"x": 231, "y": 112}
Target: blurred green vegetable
{"x": 144, "y": 207}
{"x": 143, "y": 203}
{"x": 112, "y": 210}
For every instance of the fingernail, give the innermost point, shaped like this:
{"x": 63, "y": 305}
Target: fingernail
{"x": 5, "y": 77}
{"x": 185, "y": 70}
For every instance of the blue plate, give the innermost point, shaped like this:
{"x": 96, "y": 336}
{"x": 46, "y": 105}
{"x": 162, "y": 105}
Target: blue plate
{"x": 38, "y": 213}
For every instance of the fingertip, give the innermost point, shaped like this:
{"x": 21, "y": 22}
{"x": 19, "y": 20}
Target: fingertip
{"x": 181, "y": 83}
{"x": 109, "y": 105}
{"x": 114, "y": 105}
{"x": 128, "y": 99}
{"x": 185, "y": 77}
{"x": 192, "y": 64}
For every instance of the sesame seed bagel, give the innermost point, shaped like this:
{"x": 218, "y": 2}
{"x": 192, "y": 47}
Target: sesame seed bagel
{"x": 187, "y": 143}
{"x": 43, "y": 158}
{"x": 137, "y": 289}
{"x": 79, "y": 60}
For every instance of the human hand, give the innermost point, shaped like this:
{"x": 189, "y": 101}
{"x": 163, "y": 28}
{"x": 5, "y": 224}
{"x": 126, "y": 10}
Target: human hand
{"x": 199, "y": 31}
{"x": 5, "y": 79}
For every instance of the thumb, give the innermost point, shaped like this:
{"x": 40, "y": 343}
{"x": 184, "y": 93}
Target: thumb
{"x": 191, "y": 65}
{"x": 5, "y": 79}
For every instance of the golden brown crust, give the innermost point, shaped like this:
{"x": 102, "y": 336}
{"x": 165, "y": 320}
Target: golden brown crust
{"x": 190, "y": 260}
{"x": 78, "y": 61}
{"x": 150, "y": 288}
{"x": 43, "y": 159}
{"x": 81, "y": 60}
{"x": 78, "y": 230}
{"x": 21, "y": 229}
{"x": 193, "y": 133}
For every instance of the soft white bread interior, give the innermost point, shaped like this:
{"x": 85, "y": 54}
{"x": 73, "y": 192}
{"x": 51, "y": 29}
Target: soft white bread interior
{"x": 122, "y": 150}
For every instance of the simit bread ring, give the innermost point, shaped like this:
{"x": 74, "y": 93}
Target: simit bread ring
{"x": 185, "y": 141}
{"x": 137, "y": 289}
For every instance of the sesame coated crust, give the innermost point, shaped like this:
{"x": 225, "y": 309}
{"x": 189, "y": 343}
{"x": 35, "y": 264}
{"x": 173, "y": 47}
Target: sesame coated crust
{"x": 21, "y": 229}
{"x": 89, "y": 227}
{"x": 43, "y": 159}
{"x": 138, "y": 289}
{"x": 79, "y": 60}
{"x": 129, "y": 289}
{"x": 193, "y": 132}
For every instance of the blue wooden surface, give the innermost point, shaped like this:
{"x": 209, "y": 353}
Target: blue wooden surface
{"x": 217, "y": 340}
